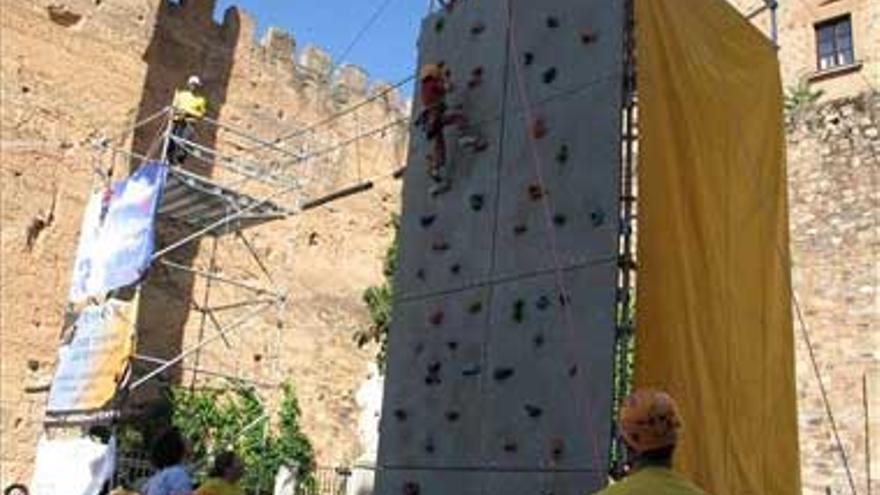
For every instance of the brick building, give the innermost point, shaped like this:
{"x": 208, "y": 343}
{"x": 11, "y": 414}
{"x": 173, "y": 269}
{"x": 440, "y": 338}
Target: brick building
{"x": 831, "y": 46}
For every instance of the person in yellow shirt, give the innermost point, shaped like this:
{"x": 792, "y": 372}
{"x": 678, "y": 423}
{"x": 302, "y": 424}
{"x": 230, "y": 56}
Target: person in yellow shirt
{"x": 224, "y": 476}
{"x": 189, "y": 106}
{"x": 650, "y": 424}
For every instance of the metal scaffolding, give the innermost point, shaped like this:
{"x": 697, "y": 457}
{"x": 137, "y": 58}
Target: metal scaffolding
{"x": 258, "y": 182}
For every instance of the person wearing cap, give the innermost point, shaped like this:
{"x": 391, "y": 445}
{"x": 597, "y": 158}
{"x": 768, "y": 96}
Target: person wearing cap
{"x": 435, "y": 116}
{"x": 189, "y": 106}
{"x": 649, "y": 424}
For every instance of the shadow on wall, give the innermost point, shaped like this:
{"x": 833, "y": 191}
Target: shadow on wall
{"x": 185, "y": 41}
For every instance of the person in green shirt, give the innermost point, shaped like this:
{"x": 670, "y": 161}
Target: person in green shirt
{"x": 649, "y": 424}
{"x": 224, "y": 476}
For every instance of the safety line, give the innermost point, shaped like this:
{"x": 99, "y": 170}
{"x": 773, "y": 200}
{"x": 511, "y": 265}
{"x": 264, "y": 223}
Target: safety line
{"x": 553, "y": 240}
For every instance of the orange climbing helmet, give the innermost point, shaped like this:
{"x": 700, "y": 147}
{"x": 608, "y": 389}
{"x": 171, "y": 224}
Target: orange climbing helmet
{"x": 430, "y": 70}
{"x": 649, "y": 420}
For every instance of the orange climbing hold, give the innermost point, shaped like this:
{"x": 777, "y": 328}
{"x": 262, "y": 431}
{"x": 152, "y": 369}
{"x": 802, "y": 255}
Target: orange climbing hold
{"x": 538, "y": 129}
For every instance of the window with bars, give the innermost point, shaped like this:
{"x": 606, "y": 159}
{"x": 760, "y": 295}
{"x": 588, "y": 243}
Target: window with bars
{"x": 834, "y": 43}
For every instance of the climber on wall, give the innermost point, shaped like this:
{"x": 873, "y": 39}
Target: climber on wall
{"x": 435, "y": 117}
{"x": 649, "y": 424}
{"x": 189, "y": 106}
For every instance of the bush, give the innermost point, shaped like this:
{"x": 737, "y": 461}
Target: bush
{"x": 378, "y": 300}
{"x": 236, "y": 419}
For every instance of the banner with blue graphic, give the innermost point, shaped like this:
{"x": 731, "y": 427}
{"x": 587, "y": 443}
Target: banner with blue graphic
{"x": 118, "y": 235}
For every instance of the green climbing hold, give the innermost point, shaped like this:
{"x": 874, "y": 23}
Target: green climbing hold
{"x": 519, "y": 310}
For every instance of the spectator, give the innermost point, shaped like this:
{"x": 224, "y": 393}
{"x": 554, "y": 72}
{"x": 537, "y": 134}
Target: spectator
{"x": 224, "y": 476}
{"x": 649, "y": 424}
{"x": 168, "y": 455}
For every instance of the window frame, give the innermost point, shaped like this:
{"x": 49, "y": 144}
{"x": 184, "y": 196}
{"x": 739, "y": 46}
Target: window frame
{"x": 838, "y": 52}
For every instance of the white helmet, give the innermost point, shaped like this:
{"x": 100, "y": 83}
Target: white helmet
{"x": 193, "y": 81}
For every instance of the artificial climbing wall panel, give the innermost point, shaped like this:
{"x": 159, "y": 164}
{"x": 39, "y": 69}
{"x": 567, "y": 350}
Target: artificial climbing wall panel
{"x": 500, "y": 354}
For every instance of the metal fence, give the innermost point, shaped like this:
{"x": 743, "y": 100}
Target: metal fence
{"x": 133, "y": 468}
{"x": 327, "y": 481}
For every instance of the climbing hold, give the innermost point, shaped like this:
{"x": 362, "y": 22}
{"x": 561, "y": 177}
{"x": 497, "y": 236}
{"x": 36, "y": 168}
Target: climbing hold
{"x": 562, "y": 154}
{"x": 476, "y": 202}
{"x": 533, "y": 411}
{"x": 476, "y": 77}
{"x": 538, "y": 340}
{"x": 400, "y": 414}
{"x": 429, "y": 446}
{"x": 455, "y": 269}
{"x": 536, "y": 192}
{"x": 573, "y": 370}
{"x": 436, "y": 318}
{"x": 543, "y": 303}
{"x": 557, "y": 448}
{"x": 452, "y": 345}
{"x": 434, "y": 367}
{"x": 559, "y": 219}
{"x": 472, "y": 370}
{"x": 477, "y": 28}
{"x": 564, "y": 298}
{"x": 597, "y": 218}
{"x": 549, "y": 75}
{"x": 432, "y": 380}
{"x": 520, "y": 229}
{"x": 475, "y": 307}
{"x": 510, "y": 446}
{"x": 538, "y": 129}
{"x": 502, "y": 374}
{"x": 440, "y": 246}
{"x": 428, "y": 220}
{"x": 552, "y": 22}
{"x": 589, "y": 36}
{"x": 528, "y": 58}
{"x": 420, "y": 274}
{"x": 452, "y": 416}
{"x": 411, "y": 488}
{"x": 439, "y": 25}
{"x": 519, "y": 310}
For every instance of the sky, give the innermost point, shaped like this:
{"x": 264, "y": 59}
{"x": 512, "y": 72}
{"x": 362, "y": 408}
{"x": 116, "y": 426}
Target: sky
{"x": 387, "y": 51}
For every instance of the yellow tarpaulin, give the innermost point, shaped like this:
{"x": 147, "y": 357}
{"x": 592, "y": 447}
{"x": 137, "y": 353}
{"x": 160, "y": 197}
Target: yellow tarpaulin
{"x": 713, "y": 312}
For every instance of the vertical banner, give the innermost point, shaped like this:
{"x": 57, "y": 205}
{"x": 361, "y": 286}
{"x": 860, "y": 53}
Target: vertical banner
{"x": 91, "y": 366}
{"x": 117, "y": 237}
{"x": 714, "y": 309}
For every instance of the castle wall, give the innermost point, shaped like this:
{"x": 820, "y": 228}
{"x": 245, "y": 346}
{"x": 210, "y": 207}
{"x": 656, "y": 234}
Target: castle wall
{"x": 86, "y": 69}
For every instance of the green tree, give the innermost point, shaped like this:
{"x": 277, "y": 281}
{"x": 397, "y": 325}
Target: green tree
{"x": 235, "y": 419}
{"x": 378, "y": 299}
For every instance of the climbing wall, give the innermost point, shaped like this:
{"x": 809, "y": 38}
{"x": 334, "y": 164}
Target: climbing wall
{"x": 500, "y": 354}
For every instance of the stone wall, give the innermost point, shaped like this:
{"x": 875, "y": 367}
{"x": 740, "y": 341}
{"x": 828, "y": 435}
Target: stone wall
{"x": 834, "y": 171}
{"x": 79, "y": 69}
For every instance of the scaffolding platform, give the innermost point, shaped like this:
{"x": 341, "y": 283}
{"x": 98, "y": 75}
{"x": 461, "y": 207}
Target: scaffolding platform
{"x": 197, "y": 202}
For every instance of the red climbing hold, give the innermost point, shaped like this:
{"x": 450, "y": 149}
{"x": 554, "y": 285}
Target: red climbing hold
{"x": 538, "y": 129}
{"x": 536, "y": 192}
{"x": 436, "y": 318}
